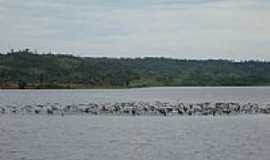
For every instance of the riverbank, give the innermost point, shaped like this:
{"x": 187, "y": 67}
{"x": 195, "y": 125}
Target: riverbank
{"x": 12, "y": 86}
{"x": 60, "y": 86}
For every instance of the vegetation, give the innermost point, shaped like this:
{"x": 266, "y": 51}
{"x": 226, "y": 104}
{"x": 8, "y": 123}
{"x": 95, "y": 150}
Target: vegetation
{"x": 25, "y": 69}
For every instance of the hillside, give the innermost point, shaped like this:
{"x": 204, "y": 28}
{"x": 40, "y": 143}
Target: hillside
{"x": 25, "y": 69}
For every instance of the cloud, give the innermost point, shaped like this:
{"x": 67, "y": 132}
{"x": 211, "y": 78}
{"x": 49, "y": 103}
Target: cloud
{"x": 234, "y": 29}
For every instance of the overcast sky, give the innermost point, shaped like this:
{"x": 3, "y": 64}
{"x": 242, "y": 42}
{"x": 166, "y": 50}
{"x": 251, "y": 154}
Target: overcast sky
{"x": 198, "y": 29}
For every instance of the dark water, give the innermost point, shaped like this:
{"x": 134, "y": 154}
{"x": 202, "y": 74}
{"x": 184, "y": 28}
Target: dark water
{"x": 135, "y": 138}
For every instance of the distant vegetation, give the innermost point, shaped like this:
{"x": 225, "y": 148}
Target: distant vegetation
{"x": 25, "y": 69}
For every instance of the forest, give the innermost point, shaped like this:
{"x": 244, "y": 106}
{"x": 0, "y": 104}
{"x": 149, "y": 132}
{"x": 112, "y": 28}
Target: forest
{"x": 24, "y": 69}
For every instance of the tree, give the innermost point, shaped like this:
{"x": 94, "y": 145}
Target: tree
{"x": 22, "y": 84}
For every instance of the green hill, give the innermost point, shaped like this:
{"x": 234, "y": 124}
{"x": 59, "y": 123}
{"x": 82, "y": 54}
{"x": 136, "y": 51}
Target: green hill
{"x": 25, "y": 69}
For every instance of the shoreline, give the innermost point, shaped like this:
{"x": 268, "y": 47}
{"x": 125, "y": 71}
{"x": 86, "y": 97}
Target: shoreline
{"x": 126, "y": 88}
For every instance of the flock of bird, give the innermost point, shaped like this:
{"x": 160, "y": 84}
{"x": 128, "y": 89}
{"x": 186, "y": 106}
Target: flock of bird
{"x": 140, "y": 108}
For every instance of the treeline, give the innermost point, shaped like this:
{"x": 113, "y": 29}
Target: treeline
{"x": 26, "y": 69}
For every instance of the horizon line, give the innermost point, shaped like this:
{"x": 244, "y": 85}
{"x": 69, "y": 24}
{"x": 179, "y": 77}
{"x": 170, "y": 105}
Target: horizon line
{"x": 36, "y": 52}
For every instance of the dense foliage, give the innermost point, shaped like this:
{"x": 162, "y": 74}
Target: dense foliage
{"x": 22, "y": 69}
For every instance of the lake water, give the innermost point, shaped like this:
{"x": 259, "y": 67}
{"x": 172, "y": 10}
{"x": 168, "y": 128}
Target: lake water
{"x": 82, "y": 137}
{"x": 165, "y": 94}
{"x": 135, "y": 138}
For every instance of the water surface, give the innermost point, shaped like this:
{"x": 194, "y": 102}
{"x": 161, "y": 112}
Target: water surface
{"x": 83, "y": 137}
{"x": 166, "y": 94}
{"x": 135, "y": 138}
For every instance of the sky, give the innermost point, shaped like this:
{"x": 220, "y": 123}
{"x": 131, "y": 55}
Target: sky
{"x": 184, "y": 29}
